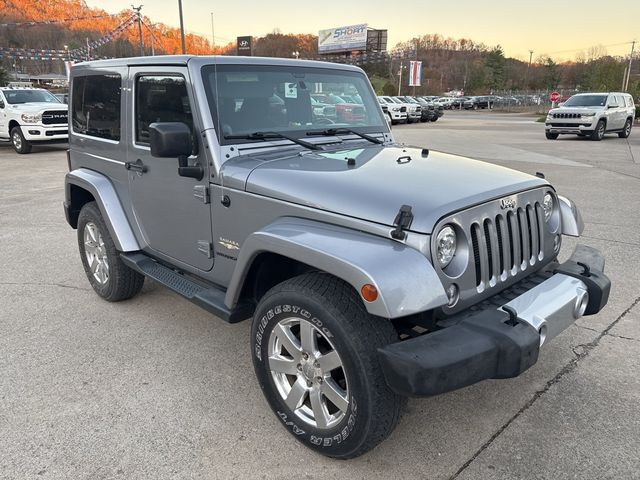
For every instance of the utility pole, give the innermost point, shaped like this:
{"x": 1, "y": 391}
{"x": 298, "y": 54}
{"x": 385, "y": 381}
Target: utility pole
{"x": 526, "y": 75}
{"x": 400, "y": 79}
{"x": 184, "y": 50}
{"x": 150, "y": 28}
{"x": 626, "y": 82}
{"x": 139, "y": 20}
{"x": 213, "y": 37}
{"x": 88, "y": 50}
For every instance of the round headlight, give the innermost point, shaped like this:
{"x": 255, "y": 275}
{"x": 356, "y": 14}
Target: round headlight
{"x": 446, "y": 243}
{"x": 547, "y": 206}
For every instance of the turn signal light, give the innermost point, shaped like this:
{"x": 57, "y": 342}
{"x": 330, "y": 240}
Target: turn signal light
{"x": 369, "y": 292}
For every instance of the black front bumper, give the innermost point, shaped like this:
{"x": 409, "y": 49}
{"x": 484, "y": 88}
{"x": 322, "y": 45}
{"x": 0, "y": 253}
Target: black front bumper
{"x": 490, "y": 344}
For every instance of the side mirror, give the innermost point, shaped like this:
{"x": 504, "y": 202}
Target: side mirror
{"x": 173, "y": 139}
{"x": 1, "y": 104}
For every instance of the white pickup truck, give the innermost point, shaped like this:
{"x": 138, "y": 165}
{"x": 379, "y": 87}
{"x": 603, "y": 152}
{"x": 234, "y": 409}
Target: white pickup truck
{"x": 31, "y": 115}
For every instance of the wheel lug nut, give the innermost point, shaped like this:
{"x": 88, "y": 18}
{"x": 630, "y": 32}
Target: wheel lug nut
{"x": 319, "y": 379}
{"x": 305, "y": 356}
{"x": 316, "y": 364}
{"x": 309, "y": 384}
{"x": 299, "y": 367}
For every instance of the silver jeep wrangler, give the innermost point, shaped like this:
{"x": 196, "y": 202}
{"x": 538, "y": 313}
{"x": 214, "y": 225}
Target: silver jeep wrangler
{"x": 372, "y": 271}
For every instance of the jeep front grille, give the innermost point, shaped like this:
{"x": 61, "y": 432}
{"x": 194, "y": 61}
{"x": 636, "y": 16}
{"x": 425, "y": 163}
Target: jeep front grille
{"x": 500, "y": 242}
{"x": 507, "y": 244}
{"x": 566, "y": 115}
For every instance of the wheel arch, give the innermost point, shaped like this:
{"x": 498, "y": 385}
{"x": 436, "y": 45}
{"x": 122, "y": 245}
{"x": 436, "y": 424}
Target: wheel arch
{"x": 405, "y": 279}
{"x": 82, "y": 186}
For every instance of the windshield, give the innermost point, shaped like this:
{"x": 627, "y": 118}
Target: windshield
{"x": 28, "y": 96}
{"x": 586, "y": 101}
{"x": 246, "y": 99}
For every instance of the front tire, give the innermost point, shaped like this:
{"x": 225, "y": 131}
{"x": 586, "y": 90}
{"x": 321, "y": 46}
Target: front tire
{"x": 314, "y": 349}
{"x": 20, "y": 144}
{"x": 626, "y": 131}
{"x": 551, "y": 136}
{"x": 598, "y": 133}
{"x": 107, "y": 274}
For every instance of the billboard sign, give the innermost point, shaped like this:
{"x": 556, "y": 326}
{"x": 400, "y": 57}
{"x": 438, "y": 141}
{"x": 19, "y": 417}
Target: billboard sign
{"x": 415, "y": 74}
{"x": 343, "y": 39}
{"x": 244, "y": 46}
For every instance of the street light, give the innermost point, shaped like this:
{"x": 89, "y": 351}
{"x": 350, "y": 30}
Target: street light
{"x": 184, "y": 50}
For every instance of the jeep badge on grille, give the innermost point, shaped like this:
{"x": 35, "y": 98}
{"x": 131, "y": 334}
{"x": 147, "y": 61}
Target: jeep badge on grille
{"x": 506, "y": 203}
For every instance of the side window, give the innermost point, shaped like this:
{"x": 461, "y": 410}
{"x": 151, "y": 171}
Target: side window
{"x": 629, "y": 101}
{"x": 160, "y": 98}
{"x": 95, "y": 106}
{"x": 613, "y": 101}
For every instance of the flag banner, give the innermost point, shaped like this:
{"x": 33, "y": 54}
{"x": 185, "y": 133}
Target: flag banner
{"x": 415, "y": 74}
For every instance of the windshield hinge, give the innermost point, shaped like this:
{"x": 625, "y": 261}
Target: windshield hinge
{"x": 402, "y": 222}
{"x": 205, "y": 247}
{"x": 202, "y": 192}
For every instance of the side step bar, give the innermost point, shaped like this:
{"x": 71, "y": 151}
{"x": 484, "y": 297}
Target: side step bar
{"x": 210, "y": 298}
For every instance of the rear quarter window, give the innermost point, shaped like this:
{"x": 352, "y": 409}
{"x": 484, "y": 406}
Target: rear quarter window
{"x": 95, "y": 106}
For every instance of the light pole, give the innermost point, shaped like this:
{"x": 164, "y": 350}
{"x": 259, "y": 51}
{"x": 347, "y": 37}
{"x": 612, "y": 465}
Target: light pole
{"x": 213, "y": 37}
{"x": 628, "y": 75}
{"x": 184, "y": 50}
{"x": 139, "y": 20}
{"x": 526, "y": 75}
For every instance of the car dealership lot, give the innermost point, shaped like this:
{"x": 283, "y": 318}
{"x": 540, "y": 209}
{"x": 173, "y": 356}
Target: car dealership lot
{"x": 155, "y": 387}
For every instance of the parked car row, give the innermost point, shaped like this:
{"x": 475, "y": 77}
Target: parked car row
{"x": 486, "y": 101}
{"x": 409, "y": 109}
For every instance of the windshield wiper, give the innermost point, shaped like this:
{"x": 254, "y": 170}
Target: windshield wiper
{"x": 336, "y": 131}
{"x": 268, "y": 135}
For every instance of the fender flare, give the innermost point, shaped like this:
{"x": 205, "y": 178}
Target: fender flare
{"x": 404, "y": 277}
{"x": 107, "y": 199}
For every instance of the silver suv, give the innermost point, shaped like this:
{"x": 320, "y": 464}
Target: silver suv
{"x": 372, "y": 271}
{"x": 592, "y": 115}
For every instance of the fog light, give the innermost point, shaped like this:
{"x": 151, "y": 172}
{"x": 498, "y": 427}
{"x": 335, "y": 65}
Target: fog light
{"x": 34, "y": 132}
{"x": 452, "y": 294}
{"x": 369, "y": 292}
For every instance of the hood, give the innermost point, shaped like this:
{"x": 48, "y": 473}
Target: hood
{"x": 381, "y": 181}
{"x": 576, "y": 109}
{"x": 39, "y": 106}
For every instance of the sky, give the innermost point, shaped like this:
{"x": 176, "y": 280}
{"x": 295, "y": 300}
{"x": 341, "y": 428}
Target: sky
{"x": 558, "y": 29}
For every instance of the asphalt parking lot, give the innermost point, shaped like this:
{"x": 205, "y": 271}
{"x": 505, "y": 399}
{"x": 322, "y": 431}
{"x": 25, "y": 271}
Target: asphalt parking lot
{"x": 156, "y": 388}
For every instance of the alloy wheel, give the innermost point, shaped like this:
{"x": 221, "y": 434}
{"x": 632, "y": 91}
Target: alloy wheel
{"x": 308, "y": 373}
{"x": 96, "y": 253}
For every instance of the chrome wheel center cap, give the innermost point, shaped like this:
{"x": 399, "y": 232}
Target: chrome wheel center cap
{"x": 310, "y": 369}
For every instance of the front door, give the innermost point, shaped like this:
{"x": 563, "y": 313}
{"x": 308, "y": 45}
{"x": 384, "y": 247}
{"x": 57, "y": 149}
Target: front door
{"x": 172, "y": 212}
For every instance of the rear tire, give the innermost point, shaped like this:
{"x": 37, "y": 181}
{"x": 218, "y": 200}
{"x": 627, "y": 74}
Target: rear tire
{"x": 312, "y": 337}
{"x": 626, "y": 131}
{"x": 598, "y": 133}
{"x": 20, "y": 144}
{"x": 551, "y": 136}
{"x": 107, "y": 274}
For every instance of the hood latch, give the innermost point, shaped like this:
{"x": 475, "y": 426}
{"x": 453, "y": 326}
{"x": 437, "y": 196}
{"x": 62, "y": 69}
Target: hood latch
{"x": 402, "y": 222}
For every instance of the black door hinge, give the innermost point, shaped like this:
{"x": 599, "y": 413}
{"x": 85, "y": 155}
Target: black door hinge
{"x": 402, "y": 222}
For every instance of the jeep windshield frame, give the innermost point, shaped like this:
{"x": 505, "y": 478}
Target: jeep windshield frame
{"x": 248, "y": 98}
{"x": 597, "y": 100}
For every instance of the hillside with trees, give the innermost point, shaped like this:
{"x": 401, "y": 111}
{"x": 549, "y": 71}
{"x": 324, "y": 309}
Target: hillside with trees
{"x": 67, "y": 26}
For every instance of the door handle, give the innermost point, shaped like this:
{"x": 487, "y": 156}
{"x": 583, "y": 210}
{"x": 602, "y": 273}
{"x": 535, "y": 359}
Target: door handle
{"x": 136, "y": 166}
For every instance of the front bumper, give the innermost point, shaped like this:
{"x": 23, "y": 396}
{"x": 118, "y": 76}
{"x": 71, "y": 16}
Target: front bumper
{"x": 569, "y": 127}
{"x": 39, "y": 133}
{"x": 501, "y": 342}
